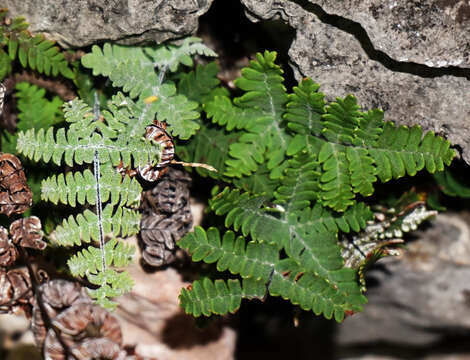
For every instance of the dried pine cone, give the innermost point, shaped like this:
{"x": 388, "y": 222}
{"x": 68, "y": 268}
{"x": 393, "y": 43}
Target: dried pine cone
{"x": 166, "y": 217}
{"x": 15, "y": 195}
{"x": 15, "y": 290}
{"x": 26, "y": 232}
{"x": 8, "y": 251}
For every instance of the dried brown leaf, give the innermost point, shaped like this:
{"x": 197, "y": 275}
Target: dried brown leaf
{"x": 15, "y": 195}
{"x": 8, "y": 251}
{"x": 15, "y": 290}
{"x": 26, "y": 232}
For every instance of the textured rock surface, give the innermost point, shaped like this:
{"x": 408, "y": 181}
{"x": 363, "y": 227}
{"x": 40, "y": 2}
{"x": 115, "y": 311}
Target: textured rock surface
{"x": 336, "y": 60}
{"x": 422, "y": 297}
{"x": 83, "y": 22}
{"x": 430, "y": 32}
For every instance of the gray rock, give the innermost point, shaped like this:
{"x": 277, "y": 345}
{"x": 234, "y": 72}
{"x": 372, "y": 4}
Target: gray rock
{"x": 423, "y": 296}
{"x": 430, "y": 32}
{"x": 84, "y": 22}
{"x": 336, "y": 60}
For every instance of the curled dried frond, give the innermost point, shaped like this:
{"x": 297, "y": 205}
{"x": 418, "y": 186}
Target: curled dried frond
{"x": 15, "y": 195}
{"x": 166, "y": 218}
{"x": 169, "y": 195}
{"x": 8, "y": 251}
{"x": 15, "y": 291}
{"x": 26, "y": 232}
{"x": 100, "y": 348}
{"x": 67, "y": 325}
{"x": 78, "y": 326}
{"x": 157, "y": 133}
{"x": 55, "y": 296}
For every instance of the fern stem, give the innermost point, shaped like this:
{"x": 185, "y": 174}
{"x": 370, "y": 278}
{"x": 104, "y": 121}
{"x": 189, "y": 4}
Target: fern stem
{"x": 205, "y": 166}
{"x": 99, "y": 205}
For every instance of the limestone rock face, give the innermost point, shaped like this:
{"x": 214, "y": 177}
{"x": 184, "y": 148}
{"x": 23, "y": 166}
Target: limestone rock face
{"x": 84, "y": 22}
{"x": 430, "y": 32}
{"x": 416, "y": 300}
{"x": 410, "y": 94}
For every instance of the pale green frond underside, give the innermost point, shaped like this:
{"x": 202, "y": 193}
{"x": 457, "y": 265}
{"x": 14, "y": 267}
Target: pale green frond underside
{"x": 133, "y": 70}
{"x": 80, "y": 187}
{"x": 89, "y": 260}
{"x": 85, "y": 228}
{"x": 66, "y": 147}
{"x": 112, "y": 282}
{"x": 127, "y": 67}
{"x": 170, "y": 56}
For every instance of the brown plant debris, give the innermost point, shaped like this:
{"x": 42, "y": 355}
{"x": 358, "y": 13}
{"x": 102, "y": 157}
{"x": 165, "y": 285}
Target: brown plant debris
{"x": 166, "y": 217}
{"x": 67, "y": 325}
{"x": 15, "y": 291}
{"x": 15, "y": 195}
{"x": 26, "y": 232}
{"x": 8, "y": 251}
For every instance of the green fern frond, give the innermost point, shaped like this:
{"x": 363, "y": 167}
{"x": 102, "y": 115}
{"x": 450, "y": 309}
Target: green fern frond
{"x": 210, "y": 146}
{"x": 35, "y": 111}
{"x": 304, "y": 115}
{"x": 250, "y": 260}
{"x": 402, "y": 150}
{"x": 177, "y": 111}
{"x": 259, "y": 182}
{"x": 262, "y": 106}
{"x": 223, "y": 112}
{"x": 67, "y": 147}
{"x": 312, "y": 292}
{"x": 299, "y": 183}
{"x": 336, "y": 187}
{"x": 260, "y": 266}
{"x": 112, "y": 283}
{"x": 35, "y": 52}
{"x": 200, "y": 84}
{"x": 250, "y": 215}
{"x": 219, "y": 297}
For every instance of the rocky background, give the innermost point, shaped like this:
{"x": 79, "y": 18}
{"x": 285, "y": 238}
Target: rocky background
{"x": 410, "y": 58}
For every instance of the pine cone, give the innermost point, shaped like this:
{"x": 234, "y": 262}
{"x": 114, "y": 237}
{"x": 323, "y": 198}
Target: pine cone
{"x": 15, "y": 195}
{"x": 166, "y": 218}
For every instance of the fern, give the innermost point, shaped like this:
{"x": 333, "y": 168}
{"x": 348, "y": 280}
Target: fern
{"x": 99, "y": 141}
{"x": 35, "y": 112}
{"x": 141, "y": 72}
{"x": 89, "y": 140}
{"x": 297, "y": 173}
{"x": 35, "y": 52}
